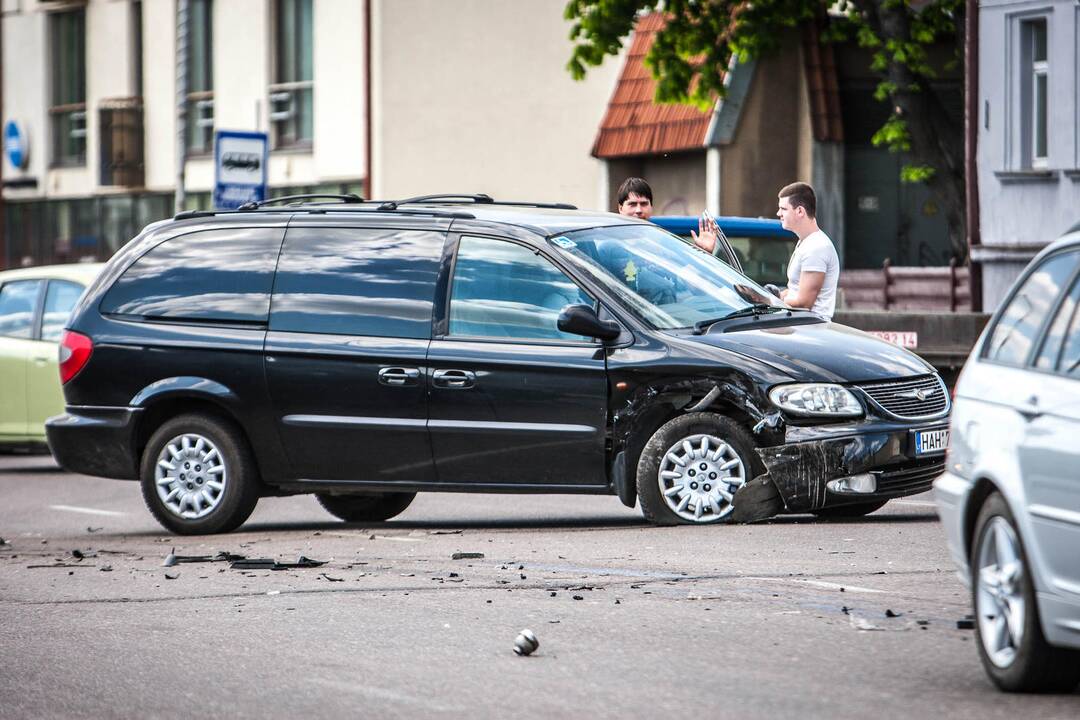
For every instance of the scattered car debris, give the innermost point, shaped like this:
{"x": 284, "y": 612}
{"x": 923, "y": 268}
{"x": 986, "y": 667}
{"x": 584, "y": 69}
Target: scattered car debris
{"x": 967, "y": 623}
{"x": 173, "y": 559}
{"x": 444, "y": 532}
{"x": 3, "y": 542}
{"x": 58, "y": 565}
{"x": 105, "y": 568}
{"x": 331, "y": 579}
{"x": 93, "y": 529}
{"x": 467, "y": 556}
{"x": 860, "y": 623}
{"x": 171, "y": 577}
{"x": 80, "y": 555}
{"x": 271, "y": 564}
{"x": 578, "y": 597}
{"x": 891, "y": 614}
{"x": 526, "y": 643}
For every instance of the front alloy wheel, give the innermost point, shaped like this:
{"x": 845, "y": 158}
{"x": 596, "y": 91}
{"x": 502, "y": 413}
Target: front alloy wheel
{"x": 1013, "y": 649}
{"x": 999, "y": 597}
{"x": 699, "y": 476}
{"x": 692, "y": 466}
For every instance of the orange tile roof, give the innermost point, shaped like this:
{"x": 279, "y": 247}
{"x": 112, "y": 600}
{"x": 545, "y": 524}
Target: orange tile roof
{"x": 636, "y": 125}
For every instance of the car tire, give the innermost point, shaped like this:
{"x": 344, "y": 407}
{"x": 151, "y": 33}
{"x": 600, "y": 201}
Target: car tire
{"x": 855, "y": 510}
{"x": 366, "y": 508}
{"x": 709, "y": 444}
{"x": 1001, "y": 578}
{"x": 198, "y": 475}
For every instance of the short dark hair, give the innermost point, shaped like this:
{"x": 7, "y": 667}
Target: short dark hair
{"x": 800, "y": 194}
{"x": 634, "y": 185}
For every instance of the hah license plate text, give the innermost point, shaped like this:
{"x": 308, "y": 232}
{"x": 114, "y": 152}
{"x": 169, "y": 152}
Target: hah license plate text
{"x": 931, "y": 442}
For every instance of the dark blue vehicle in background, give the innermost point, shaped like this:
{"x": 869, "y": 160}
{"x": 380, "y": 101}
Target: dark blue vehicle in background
{"x": 758, "y": 247}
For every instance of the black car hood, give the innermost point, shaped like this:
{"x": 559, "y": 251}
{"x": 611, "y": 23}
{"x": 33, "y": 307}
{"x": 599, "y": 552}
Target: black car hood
{"x": 823, "y": 352}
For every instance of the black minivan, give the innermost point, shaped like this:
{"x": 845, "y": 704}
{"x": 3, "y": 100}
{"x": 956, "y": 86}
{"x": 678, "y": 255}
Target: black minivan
{"x": 366, "y": 351}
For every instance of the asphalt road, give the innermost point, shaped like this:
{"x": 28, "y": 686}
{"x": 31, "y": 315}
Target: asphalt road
{"x": 791, "y": 618}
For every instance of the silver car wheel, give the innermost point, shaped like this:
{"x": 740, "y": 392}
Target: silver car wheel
{"x": 699, "y": 476}
{"x": 190, "y": 476}
{"x": 999, "y": 595}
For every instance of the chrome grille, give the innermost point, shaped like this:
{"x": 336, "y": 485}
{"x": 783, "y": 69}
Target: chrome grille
{"x": 902, "y": 397}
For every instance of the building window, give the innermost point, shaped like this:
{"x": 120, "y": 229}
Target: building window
{"x": 67, "y": 36}
{"x": 291, "y": 95}
{"x": 1035, "y": 102}
{"x": 200, "y": 78}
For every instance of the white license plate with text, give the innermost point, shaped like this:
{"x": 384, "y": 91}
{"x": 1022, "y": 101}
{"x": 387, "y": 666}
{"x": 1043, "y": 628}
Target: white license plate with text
{"x": 931, "y": 442}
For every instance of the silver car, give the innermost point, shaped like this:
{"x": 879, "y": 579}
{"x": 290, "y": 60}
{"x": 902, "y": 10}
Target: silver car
{"x": 1010, "y": 496}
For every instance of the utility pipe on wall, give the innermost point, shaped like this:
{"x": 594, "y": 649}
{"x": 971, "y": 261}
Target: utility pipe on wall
{"x": 181, "y": 100}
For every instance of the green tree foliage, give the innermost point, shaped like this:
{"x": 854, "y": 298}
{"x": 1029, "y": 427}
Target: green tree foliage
{"x": 701, "y": 37}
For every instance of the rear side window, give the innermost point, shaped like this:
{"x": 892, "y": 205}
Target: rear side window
{"x": 209, "y": 276}
{"x": 1012, "y": 338}
{"x": 357, "y": 281}
{"x": 59, "y": 299}
{"x": 18, "y": 300}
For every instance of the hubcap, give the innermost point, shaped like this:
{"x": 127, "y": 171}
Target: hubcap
{"x": 699, "y": 476}
{"x": 190, "y": 476}
{"x": 999, "y": 595}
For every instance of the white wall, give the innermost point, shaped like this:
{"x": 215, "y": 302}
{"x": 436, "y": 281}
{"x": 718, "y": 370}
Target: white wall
{"x": 339, "y": 90}
{"x": 474, "y": 96}
{"x": 26, "y": 92}
{"x": 159, "y": 93}
{"x": 1018, "y": 214}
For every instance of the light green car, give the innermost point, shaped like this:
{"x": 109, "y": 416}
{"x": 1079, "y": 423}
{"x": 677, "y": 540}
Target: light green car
{"x": 34, "y": 307}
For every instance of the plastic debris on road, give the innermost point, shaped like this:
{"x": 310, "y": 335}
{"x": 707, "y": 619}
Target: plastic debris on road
{"x": 526, "y": 643}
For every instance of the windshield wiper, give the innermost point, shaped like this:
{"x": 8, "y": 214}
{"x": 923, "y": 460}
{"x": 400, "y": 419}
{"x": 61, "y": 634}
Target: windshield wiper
{"x": 756, "y": 309}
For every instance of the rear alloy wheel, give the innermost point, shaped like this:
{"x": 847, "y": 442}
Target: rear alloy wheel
{"x": 198, "y": 476}
{"x": 853, "y": 510}
{"x": 1011, "y": 644}
{"x": 366, "y": 508}
{"x": 691, "y": 468}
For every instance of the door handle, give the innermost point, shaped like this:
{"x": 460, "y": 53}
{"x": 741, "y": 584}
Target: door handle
{"x": 1030, "y": 409}
{"x": 398, "y": 376}
{"x": 453, "y": 379}
{"x": 41, "y": 361}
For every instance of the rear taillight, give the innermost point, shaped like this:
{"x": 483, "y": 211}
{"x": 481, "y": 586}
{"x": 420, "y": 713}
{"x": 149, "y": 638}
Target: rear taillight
{"x": 75, "y": 350}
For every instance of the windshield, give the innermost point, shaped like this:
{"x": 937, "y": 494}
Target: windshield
{"x": 658, "y": 277}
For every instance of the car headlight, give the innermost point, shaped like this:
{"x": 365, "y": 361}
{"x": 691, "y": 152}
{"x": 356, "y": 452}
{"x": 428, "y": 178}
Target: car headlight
{"x": 816, "y": 399}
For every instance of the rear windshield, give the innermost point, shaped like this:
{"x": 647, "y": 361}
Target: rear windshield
{"x": 659, "y": 278}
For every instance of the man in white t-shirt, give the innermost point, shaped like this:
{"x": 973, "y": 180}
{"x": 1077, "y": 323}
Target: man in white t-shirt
{"x": 814, "y": 268}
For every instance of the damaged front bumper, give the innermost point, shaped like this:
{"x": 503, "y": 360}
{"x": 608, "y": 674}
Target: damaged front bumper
{"x": 882, "y": 457}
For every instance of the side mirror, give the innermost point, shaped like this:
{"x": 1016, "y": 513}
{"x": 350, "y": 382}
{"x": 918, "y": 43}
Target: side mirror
{"x": 582, "y": 320}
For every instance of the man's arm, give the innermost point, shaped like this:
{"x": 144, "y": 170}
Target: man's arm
{"x": 810, "y": 283}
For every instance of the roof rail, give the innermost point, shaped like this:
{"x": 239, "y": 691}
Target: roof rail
{"x": 349, "y": 198}
{"x": 479, "y": 199}
{"x": 322, "y": 209}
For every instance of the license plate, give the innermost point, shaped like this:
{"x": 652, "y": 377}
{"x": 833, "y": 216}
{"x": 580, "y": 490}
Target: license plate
{"x": 931, "y": 442}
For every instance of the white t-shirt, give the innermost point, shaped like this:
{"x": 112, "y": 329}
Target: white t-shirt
{"x": 815, "y": 253}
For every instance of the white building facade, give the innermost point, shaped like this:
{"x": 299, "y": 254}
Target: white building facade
{"x": 1028, "y": 153}
{"x": 463, "y": 96}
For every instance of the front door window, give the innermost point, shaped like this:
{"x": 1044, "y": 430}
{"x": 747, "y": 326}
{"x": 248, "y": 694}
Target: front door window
{"x": 505, "y": 290}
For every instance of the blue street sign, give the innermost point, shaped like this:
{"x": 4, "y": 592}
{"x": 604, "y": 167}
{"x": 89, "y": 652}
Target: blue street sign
{"x": 240, "y": 173}
{"x": 16, "y": 147}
